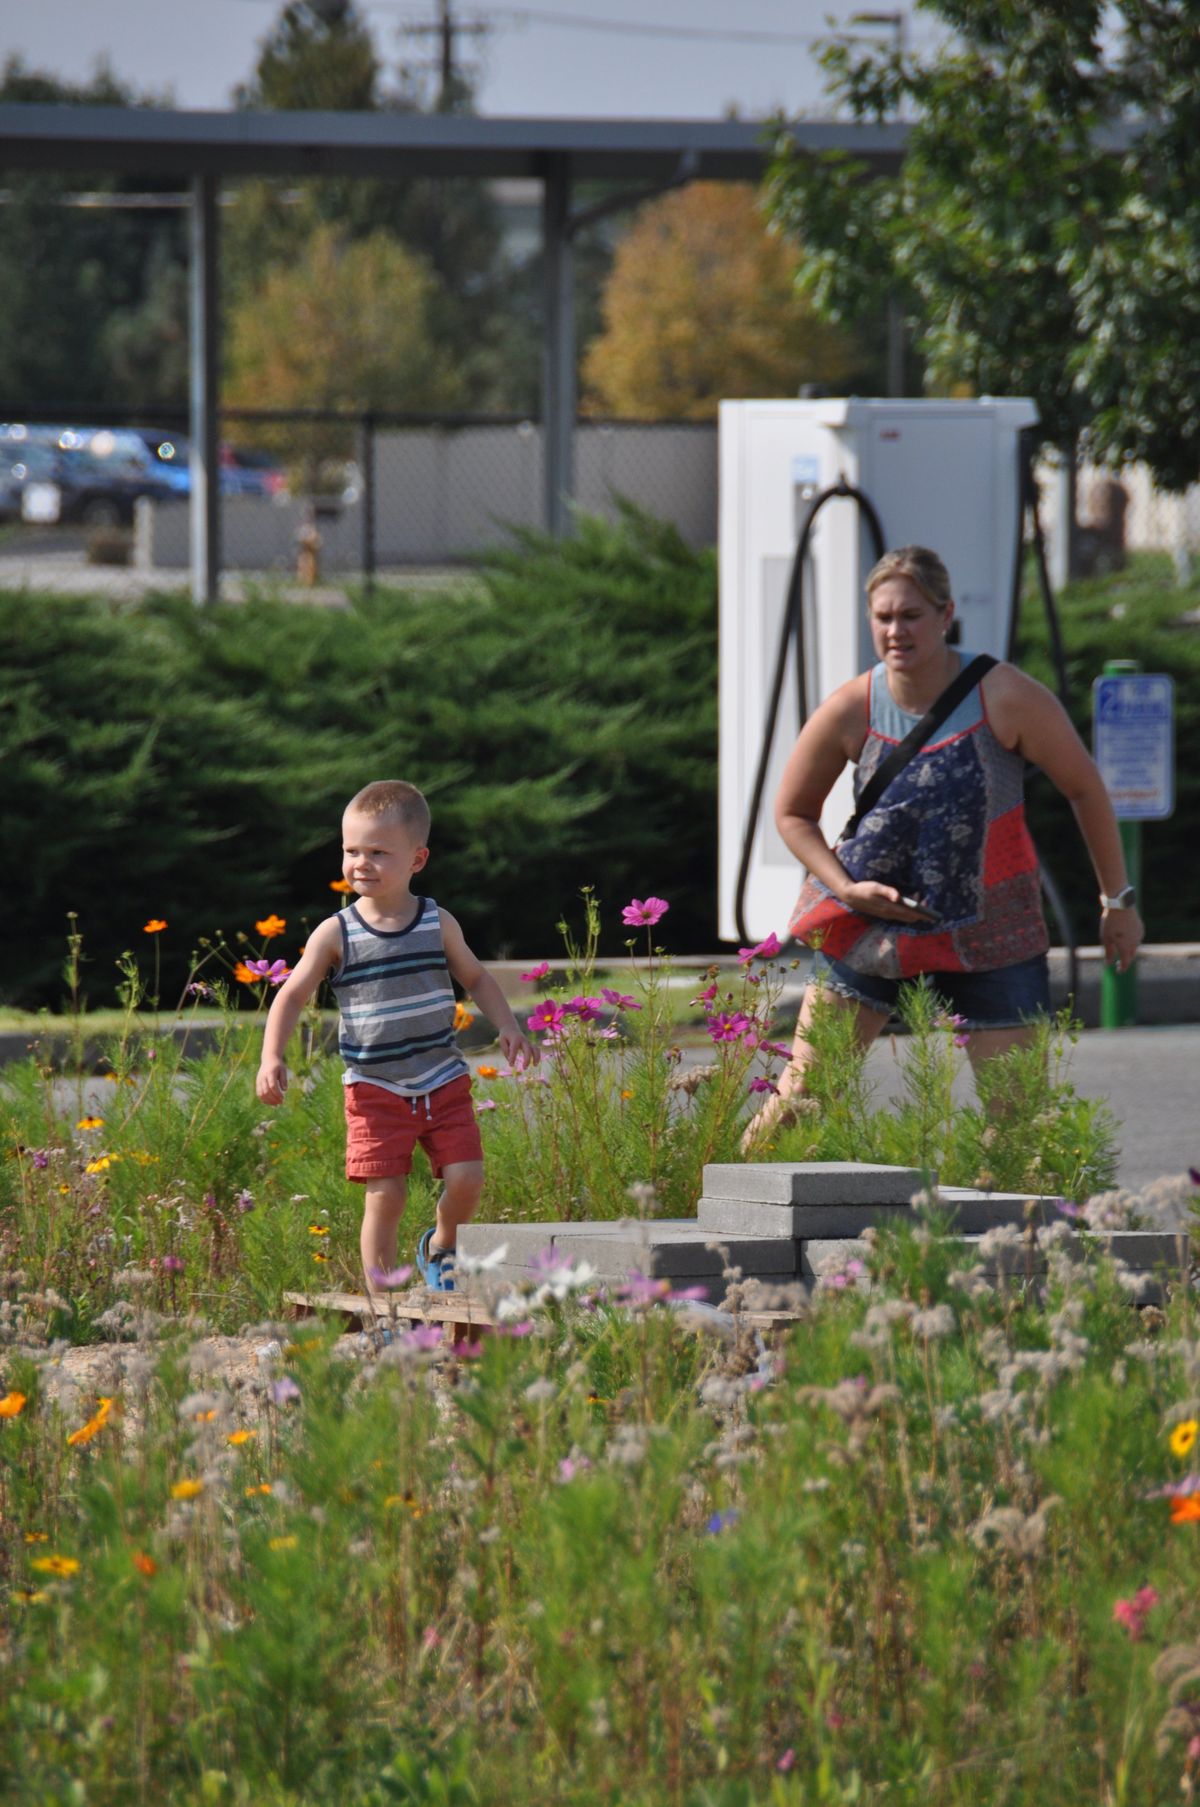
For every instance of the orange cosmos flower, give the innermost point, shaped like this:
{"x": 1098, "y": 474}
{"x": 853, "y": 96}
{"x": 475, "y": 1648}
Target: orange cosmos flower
{"x": 11, "y": 1404}
{"x": 243, "y": 975}
{"x": 1185, "y": 1509}
{"x": 340, "y": 884}
{"x": 145, "y": 1565}
{"x": 237, "y": 1438}
{"x": 186, "y": 1489}
{"x": 462, "y": 1017}
{"x": 155, "y": 926}
{"x": 488, "y": 1072}
{"x": 271, "y": 925}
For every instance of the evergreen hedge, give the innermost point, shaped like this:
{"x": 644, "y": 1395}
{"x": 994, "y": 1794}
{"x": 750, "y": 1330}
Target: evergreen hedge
{"x": 167, "y": 761}
{"x": 559, "y": 712}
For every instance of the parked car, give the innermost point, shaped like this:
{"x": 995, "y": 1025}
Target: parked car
{"x": 48, "y": 485}
{"x": 243, "y": 472}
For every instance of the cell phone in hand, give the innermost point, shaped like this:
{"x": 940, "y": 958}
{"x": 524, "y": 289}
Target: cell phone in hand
{"x": 914, "y": 903}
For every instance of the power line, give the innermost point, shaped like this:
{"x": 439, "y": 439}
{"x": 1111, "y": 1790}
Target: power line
{"x": 569, "y": 21}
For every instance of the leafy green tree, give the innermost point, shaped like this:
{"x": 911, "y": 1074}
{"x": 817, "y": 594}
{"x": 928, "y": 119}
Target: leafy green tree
{"x": 73, "y": 281}
{"x": 1030, "y": 257}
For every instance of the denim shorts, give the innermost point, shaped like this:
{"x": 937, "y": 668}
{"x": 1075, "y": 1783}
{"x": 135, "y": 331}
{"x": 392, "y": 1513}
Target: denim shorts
{"x": 1007, "y": 997}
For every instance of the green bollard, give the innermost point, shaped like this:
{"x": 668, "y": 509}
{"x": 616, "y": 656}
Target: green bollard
{"x": 1119, "y": 991}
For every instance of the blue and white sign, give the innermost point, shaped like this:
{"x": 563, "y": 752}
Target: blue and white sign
{"x": 1133, "y": 738}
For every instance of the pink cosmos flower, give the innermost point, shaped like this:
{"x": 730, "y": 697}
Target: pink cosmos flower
{"x": 617, "y": 999}
{"x": 787, "y": 1761}
{"x": 487, "y": 1104}
{"x": 523, "y": 1328}
{"x": 537, "y": 972}
{"x": 776, "y": 1048}
{"x": 707, "y": 995}
{"x": 763, "y": 950}
{"x": 1132, "y": 1614}
{"x": 570, "y": 1466}
{"x": 467, "y": 1351}
{"x": 422, "y": 1336}
{"x": 762, "y": 1085}
{"x": 273, "y": 971}
{"x": 586, "y": 1009}
{"x": 962, "y": 1041}
{"x": 728, "y": 1026}
{"x": 644, "y": 913}
{"x": 548, "y": 1015}
{"x": 430, "y": 1638}
{"x": 172, "y": 1264}
{"x": 284, "y": 1390}
{"x": 391, "y": 1276}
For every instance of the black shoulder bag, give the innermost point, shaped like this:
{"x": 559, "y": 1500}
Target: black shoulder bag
{"x": 915, "y": 739}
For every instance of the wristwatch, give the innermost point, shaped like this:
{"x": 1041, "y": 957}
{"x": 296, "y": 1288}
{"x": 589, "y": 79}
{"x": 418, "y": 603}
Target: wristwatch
{"x": 1124, "y": 900}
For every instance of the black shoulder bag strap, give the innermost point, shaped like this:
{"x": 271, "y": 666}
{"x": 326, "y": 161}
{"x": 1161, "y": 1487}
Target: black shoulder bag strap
{"x": 915, "y": 739}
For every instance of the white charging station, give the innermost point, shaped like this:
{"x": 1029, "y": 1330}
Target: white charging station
{"x": 943, "y": 474}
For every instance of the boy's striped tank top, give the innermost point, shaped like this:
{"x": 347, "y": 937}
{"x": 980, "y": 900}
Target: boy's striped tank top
{"x": 397, "y": 1004}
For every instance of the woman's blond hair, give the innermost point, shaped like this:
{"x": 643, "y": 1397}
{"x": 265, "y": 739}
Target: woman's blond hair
{"x": 920, "y": 566}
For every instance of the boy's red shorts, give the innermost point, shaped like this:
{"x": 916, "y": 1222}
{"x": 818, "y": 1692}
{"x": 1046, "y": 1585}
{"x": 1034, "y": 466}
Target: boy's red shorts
{"x": 382, "y": 1129}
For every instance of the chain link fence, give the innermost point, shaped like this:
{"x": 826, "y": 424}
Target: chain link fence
{"x": 318, "y": 501}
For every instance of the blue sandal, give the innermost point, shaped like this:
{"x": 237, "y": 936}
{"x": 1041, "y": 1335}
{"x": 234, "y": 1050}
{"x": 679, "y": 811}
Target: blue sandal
{"x": 436, "y": 1270}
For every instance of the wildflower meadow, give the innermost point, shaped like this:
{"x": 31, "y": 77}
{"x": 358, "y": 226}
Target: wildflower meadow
{"x": 935, "y": 1542}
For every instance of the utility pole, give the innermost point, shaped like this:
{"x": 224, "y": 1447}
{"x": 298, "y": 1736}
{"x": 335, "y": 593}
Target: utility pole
{"x": 446, "y": 28}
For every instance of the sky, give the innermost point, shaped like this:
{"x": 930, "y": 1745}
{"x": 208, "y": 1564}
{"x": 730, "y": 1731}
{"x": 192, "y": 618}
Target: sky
{"x": 596, "y": 58}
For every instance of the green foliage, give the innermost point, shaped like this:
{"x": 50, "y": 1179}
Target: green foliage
{"x": 1030, "y": 259}
{"x": 1136, "y": 613}
{"x": 559, "y": 714}
{"x": 899, "y": 1562}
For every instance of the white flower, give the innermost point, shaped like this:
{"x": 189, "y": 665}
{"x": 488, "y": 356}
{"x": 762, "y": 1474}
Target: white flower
{"x": 482, "y": 1264}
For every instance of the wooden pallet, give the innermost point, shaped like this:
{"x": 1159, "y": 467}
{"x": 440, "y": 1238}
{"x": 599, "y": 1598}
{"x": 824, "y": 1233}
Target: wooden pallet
{"x": 465, "y": 1318}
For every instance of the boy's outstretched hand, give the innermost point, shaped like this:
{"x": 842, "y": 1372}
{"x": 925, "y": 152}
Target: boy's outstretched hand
{"x": 272, "y": 1081}
{"x": 518, "y": 1050}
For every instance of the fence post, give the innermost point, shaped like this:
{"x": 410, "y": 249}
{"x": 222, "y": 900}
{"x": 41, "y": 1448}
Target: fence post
{"x": 366, "y": 459}
{"x": 203, "y": 377}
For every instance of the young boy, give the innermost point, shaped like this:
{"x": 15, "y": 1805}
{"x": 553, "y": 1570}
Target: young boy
{"x": 390, "y": 958}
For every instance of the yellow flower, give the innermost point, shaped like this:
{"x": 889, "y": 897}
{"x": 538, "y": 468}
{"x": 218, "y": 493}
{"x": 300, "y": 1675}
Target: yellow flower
{"x": 142, "y": 1158}
{"x": 317, "y": 1229}
{"x": 186, "y": 1489}
{"x": 37, "y": 1537}
{"x": 1183, "y": 1437}
{"x": 64, "y": 1188}
{"x": 102, "y": 1163}
{"x": 237, "y": 1438}
{"x": 462, "y": 1017}
{"x": 30, "y": 1596}
{"x": 340, "y": 884}
{"x": 271, "y": 925}
{"x": 204, "y": 1417}
{"x": 262, "y": 1487}
{"x": 11, "y": 1404}
{"x": 318, "y": 1256}
{"x": 155, "y": 926}
{"x": 284, "y": 1543}
{"x": 90, "y": 1123}
{"x": 55, "y": 1565}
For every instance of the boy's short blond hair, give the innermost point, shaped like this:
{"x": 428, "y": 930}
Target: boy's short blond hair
{"x": 393, "y": 800}
{"x": 920, "y": 566}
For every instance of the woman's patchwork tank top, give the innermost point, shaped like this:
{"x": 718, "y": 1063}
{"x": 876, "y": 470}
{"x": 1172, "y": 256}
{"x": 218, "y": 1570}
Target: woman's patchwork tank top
{"x": 397, "y": 1004}
{"x": 949, "y": 830}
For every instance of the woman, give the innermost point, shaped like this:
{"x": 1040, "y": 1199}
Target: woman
{"x": 940, "y": 876}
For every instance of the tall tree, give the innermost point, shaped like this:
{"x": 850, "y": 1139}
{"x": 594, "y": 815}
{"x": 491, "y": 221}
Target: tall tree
{"x": 702, "y": 303}
{"x": 320, "y": 54}
{"x": 1030, "y": 255}
{"x": 68, "y": 274}
{"x": 346, "y": 326}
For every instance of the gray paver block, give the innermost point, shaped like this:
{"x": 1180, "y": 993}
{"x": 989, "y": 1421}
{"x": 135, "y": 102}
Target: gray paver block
{"x": 524, "y": 1241}
{"x": 812, "y": 1182}
{"x": 755, "y": 1217}
{"x": 675, "y": 1258}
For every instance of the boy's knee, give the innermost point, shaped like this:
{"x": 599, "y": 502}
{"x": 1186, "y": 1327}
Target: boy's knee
{"x": 462, "y": 1183}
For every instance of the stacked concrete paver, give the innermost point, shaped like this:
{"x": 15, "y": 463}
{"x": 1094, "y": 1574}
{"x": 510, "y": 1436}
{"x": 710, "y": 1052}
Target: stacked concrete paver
{"x": 782, "y": 1222}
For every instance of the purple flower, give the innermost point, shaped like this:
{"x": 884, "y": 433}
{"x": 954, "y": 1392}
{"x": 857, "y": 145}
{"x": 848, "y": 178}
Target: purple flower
{"x": 537, "y": 972}
{"x": 617, "y": 999}
{"x": 570, "y": 1466}
{"x": 273, "y": 971}
{"x": 762, "y": 1085}
{"x": 244, "y": 1201}
{"x": 763, "y": 950}
{"x": 547, "y": 1016}
{"x": 40, "y": 1158}
{"x": 284, "y": 1390}
{"x": 172, "y": 1264}
{"x": 523, "y": 1328}
{"x": 776, "y": 1048}
{"x": 644, "y": 913}
{"x": 586, "y": 1009}
{"x": 962, "y": 1041}
{"x": 467, "y": 1351}
{"x": 640, "y": 1289}
{"x": 682, "y": 1294}
{"x": 729, "y": 1026}
{"x": 422, "y": 1336}
{"x": 487, "y": 1104}
{"x": 198, "y": 989}
{"x": 390, "y": 1276}
{"x": 1068, "y": 1208}
{"x": 721, "y": 1521}
{"x": 786, "y": 1761}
